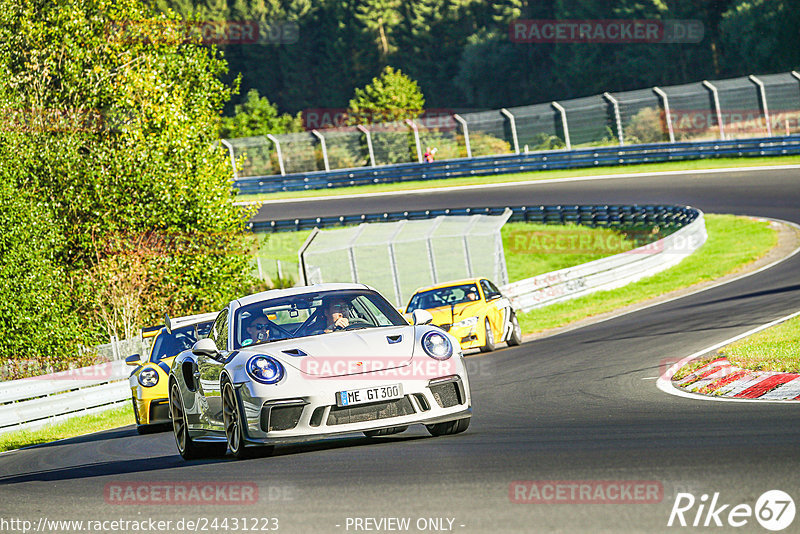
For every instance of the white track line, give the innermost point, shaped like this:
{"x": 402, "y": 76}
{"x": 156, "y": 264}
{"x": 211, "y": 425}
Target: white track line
{"x": 664, "y": 382}
{"x": 446, "y": 188}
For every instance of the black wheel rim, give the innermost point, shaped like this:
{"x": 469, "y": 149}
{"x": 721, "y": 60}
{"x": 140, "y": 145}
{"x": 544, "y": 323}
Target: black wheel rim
{"x": 231, "y": 418}
{"x": 178, "y": 422}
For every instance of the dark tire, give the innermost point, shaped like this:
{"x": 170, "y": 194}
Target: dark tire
{"x": 187, "y": 448}
{"x": 385, "y": 431}
{"x": 449, "y": 427}
{"x": 515, "y": 337}
{"x": 490, "y": 345}
{"x": 234, "y": 430}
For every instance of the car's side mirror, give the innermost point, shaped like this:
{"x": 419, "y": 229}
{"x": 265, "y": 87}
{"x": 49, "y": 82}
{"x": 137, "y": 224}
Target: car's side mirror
{"x": 422, "y": 317}
{"x": 133, "y": 359}
{"x": 205, "y": 347}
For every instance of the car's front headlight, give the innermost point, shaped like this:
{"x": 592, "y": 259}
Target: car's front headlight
{"x": 148, "y": 377}
{"x": 265, "y": 369}
{"x": 437, "y": 345}
{"x": 469, "y": 321}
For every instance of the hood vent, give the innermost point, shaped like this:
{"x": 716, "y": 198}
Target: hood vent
{"x": 294, "y": 352}
{"x": 394, "y": 339}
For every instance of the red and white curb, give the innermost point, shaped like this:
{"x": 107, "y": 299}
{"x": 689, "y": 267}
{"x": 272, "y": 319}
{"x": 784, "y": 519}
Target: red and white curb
{"x": 718, "y": 380}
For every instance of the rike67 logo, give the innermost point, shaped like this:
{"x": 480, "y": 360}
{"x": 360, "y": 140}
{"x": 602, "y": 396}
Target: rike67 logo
{"x": 774, "y": 510}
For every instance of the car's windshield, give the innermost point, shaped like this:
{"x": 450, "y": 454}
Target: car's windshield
{"x": 167, "y": 345}
{"x": 311, "y": 314}
{"x": 443, "y": 296}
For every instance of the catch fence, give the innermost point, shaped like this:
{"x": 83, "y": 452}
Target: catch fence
{"x": 399, "y": 257}
{"x": 738, "y": 108}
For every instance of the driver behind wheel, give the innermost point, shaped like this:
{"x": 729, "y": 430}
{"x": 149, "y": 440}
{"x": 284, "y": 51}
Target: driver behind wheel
{"x": 259, "y": 330}
{"x": 337, "y": 315}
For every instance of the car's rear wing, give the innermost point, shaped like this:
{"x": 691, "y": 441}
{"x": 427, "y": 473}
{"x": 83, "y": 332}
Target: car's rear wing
{"x": 178, "y": 322}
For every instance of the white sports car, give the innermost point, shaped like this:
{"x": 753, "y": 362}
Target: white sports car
{"x": 292, "y": 365}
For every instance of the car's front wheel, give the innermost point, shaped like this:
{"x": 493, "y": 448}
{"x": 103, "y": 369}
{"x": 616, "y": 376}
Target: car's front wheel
{"x": 234, "y": 426}
{"x": 450, "y": 427}
{"x": 489, "y": 345}
{"x": 187, "y": 448}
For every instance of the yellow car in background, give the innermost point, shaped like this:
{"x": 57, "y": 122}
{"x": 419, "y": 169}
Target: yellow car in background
{"x": 474, "y": 311}
{"x": 149, "y": 380}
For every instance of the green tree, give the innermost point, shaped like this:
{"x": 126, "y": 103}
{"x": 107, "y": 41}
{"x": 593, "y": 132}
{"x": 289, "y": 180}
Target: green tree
{"x": 756, "y": 33}
{"x": 36, "y": 326}
{"x": 430, "y": 37}
{"x": 257, "y": 116}
{"x": 380, "y": 17}
{"x": 390, "y": 97}
{"x": 120, "y": 142}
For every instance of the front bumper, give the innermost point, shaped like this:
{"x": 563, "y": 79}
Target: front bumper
{"x": 467, "y": 336}
{"x": 272, "y": 420}
{"x": 153, "y": 411}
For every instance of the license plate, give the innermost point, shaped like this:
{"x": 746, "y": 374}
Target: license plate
{"x": 366, "y": 395}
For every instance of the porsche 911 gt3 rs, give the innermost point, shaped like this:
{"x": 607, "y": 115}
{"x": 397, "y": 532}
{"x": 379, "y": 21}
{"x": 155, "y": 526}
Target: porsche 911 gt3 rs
{"x": 148, "y": 381}
{"x": 298, "y": 364}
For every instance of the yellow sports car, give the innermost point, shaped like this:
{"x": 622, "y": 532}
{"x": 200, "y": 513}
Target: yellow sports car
{"x": 473, "y": 310}
{"x": 148, "y": 381}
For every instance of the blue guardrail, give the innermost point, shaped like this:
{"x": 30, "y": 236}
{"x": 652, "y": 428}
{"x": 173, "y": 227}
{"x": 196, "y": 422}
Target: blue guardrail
{"x": 534, "y": 161}
{"x": 626, "y": 216}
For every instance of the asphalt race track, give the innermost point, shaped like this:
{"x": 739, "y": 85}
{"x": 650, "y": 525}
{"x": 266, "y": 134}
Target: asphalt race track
{"x": 580, "y": 406}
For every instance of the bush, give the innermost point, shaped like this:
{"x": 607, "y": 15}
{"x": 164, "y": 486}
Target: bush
{"x": 485, "y": 145}
{"x": 38, "y": 332}
{"x": 647, "y": 126}
{"x": 545, "y": 141}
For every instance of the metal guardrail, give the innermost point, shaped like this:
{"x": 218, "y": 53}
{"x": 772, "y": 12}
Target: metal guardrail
{"x": 31, "y": 403}
{"x": 586, "y": 215}
{"x": 534, "y": 161}
{"x": 611, "y": 272}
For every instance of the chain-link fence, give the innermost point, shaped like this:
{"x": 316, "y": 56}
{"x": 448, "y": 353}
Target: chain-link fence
{"x": 397, "y": 258}
{"x": 119, "y": 349}
{"x": 753, "y": 106}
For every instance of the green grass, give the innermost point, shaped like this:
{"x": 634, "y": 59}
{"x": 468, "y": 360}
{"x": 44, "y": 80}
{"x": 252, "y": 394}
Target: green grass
{"x": 773, "y": 349}
{"x": 532, "y": 176}
{"x": 281, "y": 245}
{"x": 73, "y": 427}
{"x": 533, "y": 249}
{"x": 691, "y": 367}
{"x": 733, "y": 242}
